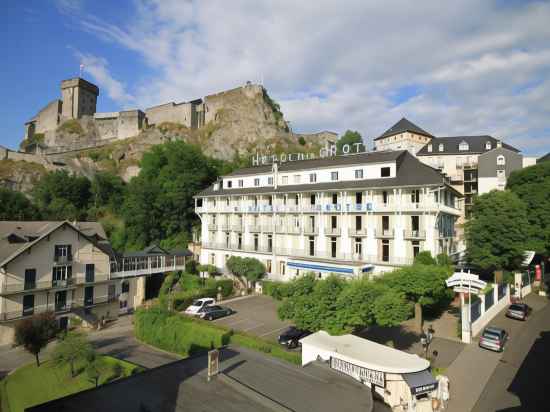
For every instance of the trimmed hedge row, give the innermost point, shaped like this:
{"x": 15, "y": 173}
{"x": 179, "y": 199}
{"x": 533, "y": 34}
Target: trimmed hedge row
{"x": 176, "y": 333}
{"x": 277, "y": 290}
{"x": 186, "y": 336}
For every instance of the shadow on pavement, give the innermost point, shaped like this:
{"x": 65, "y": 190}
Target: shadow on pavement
{"x": 396, "y": 336}
{"x": 530, "y": 384}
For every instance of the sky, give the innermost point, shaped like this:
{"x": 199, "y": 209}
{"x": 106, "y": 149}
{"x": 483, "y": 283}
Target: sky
{"x": 468, "y": 67}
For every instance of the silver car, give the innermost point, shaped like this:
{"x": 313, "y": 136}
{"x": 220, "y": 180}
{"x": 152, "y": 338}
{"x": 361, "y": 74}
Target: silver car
{"x": 493, "y": 339}
{"x": 518, "y": 311}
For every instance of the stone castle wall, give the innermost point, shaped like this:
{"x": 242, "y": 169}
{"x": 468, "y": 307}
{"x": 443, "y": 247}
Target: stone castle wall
{"x": 170, "y": 112}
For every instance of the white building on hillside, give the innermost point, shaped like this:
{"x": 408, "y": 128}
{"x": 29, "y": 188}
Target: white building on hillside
{"x": 352, "y": 214}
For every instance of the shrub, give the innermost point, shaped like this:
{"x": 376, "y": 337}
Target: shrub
{"x": 277, "y": 290}
{"x": 226, "y": 285}
{"x": 302, "y": 141}
{"x": 255, "y": 343}
{"x": 424, "y": 258}
{"x": 71, "y": 126}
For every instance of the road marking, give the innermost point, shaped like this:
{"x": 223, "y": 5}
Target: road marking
{"x": 254, "y": 327}
{"x": 234, "y": 323}
{"x": 272, "y": 331}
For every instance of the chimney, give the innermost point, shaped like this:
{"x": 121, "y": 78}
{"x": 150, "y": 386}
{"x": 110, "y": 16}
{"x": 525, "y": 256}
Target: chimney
{"x": 499, "y": 143}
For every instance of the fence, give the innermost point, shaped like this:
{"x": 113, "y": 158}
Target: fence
{"x": 489, "y": 299}
{"x": 476, "y": 310}
{"x": 501, "y": 290}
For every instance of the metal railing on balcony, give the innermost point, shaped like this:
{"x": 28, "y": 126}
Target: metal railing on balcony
{"x": 212, "y": 226}
{"x": 333, "y": 231}
{"x": 63, "y": 283}
{"x": 63, "y": 259}
{"x": 384, "y": 233}
{"x": 237, "y": 228}
{"x": 254, "y": 228}
{"x": 310, "y": 230}
{"x": 415, "y": 234}
{"x": 357, "y": 231}
{"x": 268, "y": 228}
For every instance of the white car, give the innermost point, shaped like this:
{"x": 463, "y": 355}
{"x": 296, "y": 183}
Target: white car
{"x": 197, "y": 305}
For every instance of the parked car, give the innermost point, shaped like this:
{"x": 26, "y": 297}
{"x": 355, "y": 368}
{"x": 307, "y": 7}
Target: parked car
{"x": 518, "y": 311}
{"x": 493, "y": 339}
{"x": 211, "y": 312}
{"x": 291, "y": 337}
{"x": 198, "y": 304}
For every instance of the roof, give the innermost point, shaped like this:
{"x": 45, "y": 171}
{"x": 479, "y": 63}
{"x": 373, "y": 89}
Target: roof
{"x": 545, "y": 158}
{"x": 403, "y": 125}
{"x": 30, "y": 233}
{"x": 182, "y": 386}
{"x": 410, "y": 172}
{"x": 333, "y": 161}
{"x": 451, "y": 144}
{"x": 366, "y": 353}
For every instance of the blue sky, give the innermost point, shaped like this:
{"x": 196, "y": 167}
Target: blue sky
{"x": 465, "y": 67}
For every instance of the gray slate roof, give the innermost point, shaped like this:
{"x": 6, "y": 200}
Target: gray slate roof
{"x": 545, "y": 158}
{"x": 359, "y": 158}
{"x": 451, "y": 143}
{"x": 402, "y": 126}
{"x": 410, "y": 172}
{"x": 30, "y": 233}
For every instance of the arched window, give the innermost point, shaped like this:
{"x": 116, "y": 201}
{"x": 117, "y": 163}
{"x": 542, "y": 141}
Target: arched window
{"x": 501, "y": 160}
{"x": 463, "y": 146}
{"x": 441, "y": 147}
{"x": 488, "y": 146}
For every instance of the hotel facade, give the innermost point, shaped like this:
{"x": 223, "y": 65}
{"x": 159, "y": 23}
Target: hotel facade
{"x": 351, "y": 215}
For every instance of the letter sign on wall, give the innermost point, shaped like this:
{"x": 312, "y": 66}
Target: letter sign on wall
{"x": 358, "y": 372}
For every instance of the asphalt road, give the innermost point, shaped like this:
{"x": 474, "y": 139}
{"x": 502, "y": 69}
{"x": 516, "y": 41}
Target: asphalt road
{"x": 256, "y": 315}
{"x": 520, "y": 381}
{"x": 117, "y": 340}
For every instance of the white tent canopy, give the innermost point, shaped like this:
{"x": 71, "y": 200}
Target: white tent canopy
{"x": 359, "y": 351}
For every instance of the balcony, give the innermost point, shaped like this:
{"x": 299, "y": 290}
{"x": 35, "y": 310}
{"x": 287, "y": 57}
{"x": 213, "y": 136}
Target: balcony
{"x": 254, "y": 228}
{"x": 224, "y": 227}
{"x": 384, "y": 233}
{"x": 268, "y": 228}
{"x": 63, "y": 283}
{"x": 237, "y": 228}
{"x": 61, "y": 260}
{"x": 309, "y": 230}
{"x": 415, "y": 234}
{"x": 333, "y": 231}
{"x": 357, "y": 231}
{"x": 212, "y": 226}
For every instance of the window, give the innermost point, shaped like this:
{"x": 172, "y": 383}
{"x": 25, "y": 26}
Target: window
{"x": 241, "y": 183}
{"x": 240, "y": 241}
{"x": 90, "y": 272}
{"x": 335, "y": 198}
{"x": 415, "y": 196}
{"x": 312, "y": 177}
{"x": 359, "y": 174}
{"x": 256, "y": 242}
{"x": 257, "y": 181}
{"x": 297, "y": 179}
{"x": 501, "y": 160}
{"x": 270, "y": 200}
{"x": 227, "y": 239}
{"x": 441, "y": 147}
{"x": 296, "y": 200}
{"x": 282, "y": 267}
{"x": 334, "y": 222}
{"x": 463, "y": 146}
{"x": 358, "y": 222}
{"x": 501, "y": 174}
{"x": 311, "y": 241}
{"x": 28, "y": 305}
{"x": 88, "y": 295}
{"x": 285, "y": 180}
{"x": 227, "y": 201}
{"x": 385, "y": 224}
{"x": 312, "y": 199}
{"x": 333, "y": 246}
{"x": 415, "y": 224}
{"x": 416, "y": 247}
{"x": 385, "y": 250}
{"x": 212, "y": 258}
{"x": 358, "y": 198}
{"x": 125, "y": 287}
{"x": 430, "y": 148}
{"x": 333, "y": 175}
{"x": 269, "y": 243}
{"x": 385, "y": 172}
{"x": 436, "y": 197}
{"x": 30, "y": 279}
{"x": 268, "y": 265}
{"x": 385, "y": 197}
{"x": 62, "y": 253}
{"x": 61, "y": 275}
{"x": 229, "y": 183}
{"x": 488, "y": 145}
{"x": 358, "y": 246}
{"x": 270, "y": 180}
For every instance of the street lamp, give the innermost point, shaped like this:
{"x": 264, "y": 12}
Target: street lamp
{"x": 426, "y": 340}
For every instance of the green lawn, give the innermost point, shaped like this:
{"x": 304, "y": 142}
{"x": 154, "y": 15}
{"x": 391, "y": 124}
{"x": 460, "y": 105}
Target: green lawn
{"x": 30, "y": 385}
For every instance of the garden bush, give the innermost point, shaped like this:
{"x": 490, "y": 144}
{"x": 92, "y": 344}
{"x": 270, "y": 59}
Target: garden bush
{"x": 277, "y": 290}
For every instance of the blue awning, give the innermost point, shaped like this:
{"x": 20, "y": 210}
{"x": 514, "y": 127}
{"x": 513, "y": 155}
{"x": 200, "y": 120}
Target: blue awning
{"x": 320, "y": 268}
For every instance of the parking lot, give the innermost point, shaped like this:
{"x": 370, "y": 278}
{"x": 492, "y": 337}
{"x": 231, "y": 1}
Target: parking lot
{"x": 256, "y": 315}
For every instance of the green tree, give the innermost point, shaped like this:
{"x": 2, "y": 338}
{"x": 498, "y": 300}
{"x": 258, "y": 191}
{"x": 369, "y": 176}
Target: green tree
{"x": 159, "y": 202}
{"x": 34, "y": 333}
{"x": 60, "y": 195}
{"x": 497, "y": 231}
{"x": 391, "y": 308}
{"x": 532, "y": 186}
{"x": 425, "y": 258}
{"x": 15, "y": 206}
{"x": 95, "y": 368}
{"x": 107, "y": 190}
{"x": 355, "y": 305}
{"x": 350, "y": 137}
{"x": 73, "y": 347}
{"x": 443, "y": 259}
{"x": 247, "y": 269}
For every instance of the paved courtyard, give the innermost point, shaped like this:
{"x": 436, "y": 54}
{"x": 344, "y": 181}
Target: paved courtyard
{"x": 256, "y": 315}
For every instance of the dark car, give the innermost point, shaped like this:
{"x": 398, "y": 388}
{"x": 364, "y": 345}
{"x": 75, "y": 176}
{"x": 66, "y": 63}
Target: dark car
{"x": 291, "y": 337}
{"x": 518, "y": 311}
{"x": 493, "y": 339}
{"x": 214, "y": 312}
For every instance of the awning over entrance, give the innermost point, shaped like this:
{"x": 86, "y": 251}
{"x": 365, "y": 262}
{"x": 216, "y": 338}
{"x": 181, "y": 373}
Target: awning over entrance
{"x": 420, "y": 382}
{"x": 320, "y": 268}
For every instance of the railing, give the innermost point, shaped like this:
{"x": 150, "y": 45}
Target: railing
{"x": 309, "y": 230}
{"x": 237, "y": 228}
{"x": 351, "y": 257}
{"x": 384, "y": 233}
{"x": 23, "y": 286}
{"x": 357, "y": 232}
{"x": 254, "y": 228}
{"x": 132, "y": 266}
{"x": 63, "y": 283}
{"x": 212, "y": 226}
{"x": 415, "y": 234}
{"x": 63, "y": 259}
{"x": 334, "y": 231}
{"x": 24, "y": 312}
{"x": 268, "y": 228}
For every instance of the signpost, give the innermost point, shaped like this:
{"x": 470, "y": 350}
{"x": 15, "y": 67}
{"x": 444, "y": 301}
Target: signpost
{"x": 213, "y": 363}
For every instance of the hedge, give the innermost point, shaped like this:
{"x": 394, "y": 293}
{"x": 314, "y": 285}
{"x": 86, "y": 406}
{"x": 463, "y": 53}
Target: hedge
{"x": 175, "y": 333}
{"x": 277, "y": 290}
{"x": 185, "y": 336}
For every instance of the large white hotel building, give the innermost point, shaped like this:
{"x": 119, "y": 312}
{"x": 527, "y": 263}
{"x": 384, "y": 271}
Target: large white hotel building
{"x": 350, "y": 214}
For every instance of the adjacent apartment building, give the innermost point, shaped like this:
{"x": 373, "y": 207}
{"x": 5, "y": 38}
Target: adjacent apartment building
{"x": 71, "y": 269}
{"x": 349, "y": 215}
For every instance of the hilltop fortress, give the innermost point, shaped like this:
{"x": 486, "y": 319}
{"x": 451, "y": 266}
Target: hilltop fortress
{"x": 73, "y": 121}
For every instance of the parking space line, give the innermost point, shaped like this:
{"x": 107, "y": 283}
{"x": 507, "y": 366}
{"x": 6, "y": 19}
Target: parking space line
{"x": 234, "y": 323}
{"x": 254, "y": 327}
{"x": 272, "y": 331}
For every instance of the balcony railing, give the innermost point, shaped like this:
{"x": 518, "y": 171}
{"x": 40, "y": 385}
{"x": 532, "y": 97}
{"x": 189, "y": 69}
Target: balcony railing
{"x": 63, "y": 283}
{"x": 139, "y": 266}
{"x": 18, "y": 287}
{"x": 237, "y": 228}
{"x": 357, "y": 232}
{"x": 212, "y": 226}
{"x": 384, "y": 233}
{"x": 309, "y": 230}
{"x": 415, "y": 234}
{"x": 333, "y": 231}
{"x": 63, "y": 259}
{"x": 254, "y": 228}
{"x": 268, "y": 228}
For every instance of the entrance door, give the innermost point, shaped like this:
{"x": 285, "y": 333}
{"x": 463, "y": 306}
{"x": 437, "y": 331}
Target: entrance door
{"x": 28, "y": 305}
{"x": 63, "y": 323}
{"x": 30, "y": 279}
{"x": 88, "y": 296}
{"x": 61, "y": 301}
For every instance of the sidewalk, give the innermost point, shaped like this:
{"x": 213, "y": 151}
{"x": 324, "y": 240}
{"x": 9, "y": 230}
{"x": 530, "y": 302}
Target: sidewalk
{"x": 471, "y": 370}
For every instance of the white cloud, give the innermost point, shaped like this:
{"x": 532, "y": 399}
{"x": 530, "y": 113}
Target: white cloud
{"x": 479, "y": 67}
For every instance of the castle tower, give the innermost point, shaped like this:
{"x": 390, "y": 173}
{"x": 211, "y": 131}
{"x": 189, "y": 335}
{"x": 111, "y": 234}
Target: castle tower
{"x": 79, "y": 98}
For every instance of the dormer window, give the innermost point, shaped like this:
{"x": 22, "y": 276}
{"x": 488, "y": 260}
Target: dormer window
{"x": 441, "y": 147}
{"x": 270, "y": 180}
{"x": 257, "y": 181}
{"x": 463, "y": 146}
{"x": 216, "y": 186}
{"x": 501, "y": 160}
{"x": 488, "y": 145}
{"x": 430, "y": 148}
{"x": 229, "y": 184}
